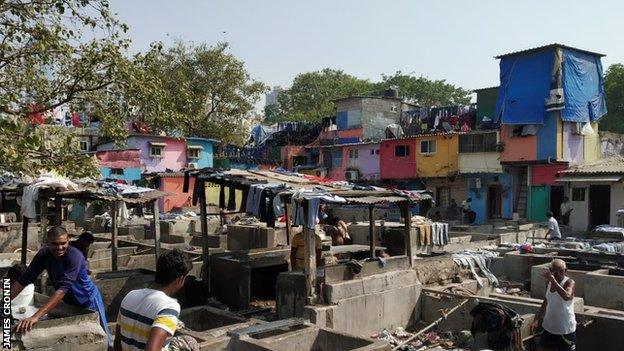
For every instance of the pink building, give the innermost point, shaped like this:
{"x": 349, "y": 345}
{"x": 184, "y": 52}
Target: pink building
{"x": 156, "y": 153}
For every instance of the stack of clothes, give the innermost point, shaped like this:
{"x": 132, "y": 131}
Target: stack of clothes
{"x": 431, "y": 233}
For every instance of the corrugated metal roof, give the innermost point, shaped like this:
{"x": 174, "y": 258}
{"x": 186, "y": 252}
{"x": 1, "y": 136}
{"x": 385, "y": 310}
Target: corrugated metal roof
{"x": 372, "y": 200}
{"x": 545, "y": 47}
{"x": 609, "y": 165}
{"x": 488, "y": 88}
{"x": 590, "y": 179}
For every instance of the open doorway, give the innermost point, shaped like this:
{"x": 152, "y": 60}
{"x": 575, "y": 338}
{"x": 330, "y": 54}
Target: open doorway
{"x": 494, "y": 201}
{"x": 556, "y": 199}
{"x": 599, "y": 205}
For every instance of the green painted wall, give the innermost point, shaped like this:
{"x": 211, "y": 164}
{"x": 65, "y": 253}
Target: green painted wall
{"x": 538, "y": 203}
{"x": 486, "y": 103}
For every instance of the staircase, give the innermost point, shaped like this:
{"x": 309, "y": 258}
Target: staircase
{"x": 521, "y": 197}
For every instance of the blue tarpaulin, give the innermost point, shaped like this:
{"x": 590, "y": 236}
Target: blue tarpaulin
{"x": 582, "y": 87}
{"x": 261, "y": 133}
{"x": 524, "y": 86}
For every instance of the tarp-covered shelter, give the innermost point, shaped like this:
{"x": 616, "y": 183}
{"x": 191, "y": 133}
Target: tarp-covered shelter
{"x": 550, "y": 78}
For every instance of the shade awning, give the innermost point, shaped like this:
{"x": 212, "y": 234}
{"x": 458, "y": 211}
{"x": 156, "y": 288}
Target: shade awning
{"x": 194, "y": 147}
{"x": 155, "y": 143}
{"x": 590, "y": 179}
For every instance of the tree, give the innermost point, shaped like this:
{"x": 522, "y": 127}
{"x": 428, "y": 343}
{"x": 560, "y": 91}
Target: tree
{"x": 203, "y": 91}
{"x": 271, "y": 114}
{"x": 53, "y": 53}
{"x": 311, "y": 95}
{"x": 614, "y": 91}
{"x": 424, "y": 91}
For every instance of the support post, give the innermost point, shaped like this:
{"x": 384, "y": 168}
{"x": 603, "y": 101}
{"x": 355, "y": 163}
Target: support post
{"x": 288, "y": 225}
{"x": 24, "y": 238}
{"x": 407, "y": 218}
{"x": 58, "y": 209}
{"x": 371, "y": 229}
{"x": 156, "y": 228}
{"x": 204, "y": 235}
{"x": 114, "y": 232}
{"x": 310, "y": 256}
{"x": 43, "y": 221}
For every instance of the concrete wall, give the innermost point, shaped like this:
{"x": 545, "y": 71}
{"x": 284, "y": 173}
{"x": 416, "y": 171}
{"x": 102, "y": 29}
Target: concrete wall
{"x": 11, "y": 237}
{"x": 174, "y": 185}
{"x": 539, "y": 283}
{"x": 367, "y": 305}
{"x": 205, "y": 154}
{"x": 368, "y": 161}
{"x": 173, "y": 154}
{"x": 443, "y": 161}
{"x": 129, "y": 174}
{"x": 579, "y": 220}
{"x": 394, "y": 167}
{"x": 458, "y": 187}
{"x": 517, "y": 148}
{"x": 480, "y": 196}
{"x": 604, "y": 290}
{"x": 480, "y": 162}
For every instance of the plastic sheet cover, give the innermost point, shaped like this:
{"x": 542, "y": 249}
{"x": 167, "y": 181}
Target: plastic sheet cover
{"x": 583, "y": 87}
{"x": 524, "y": 86}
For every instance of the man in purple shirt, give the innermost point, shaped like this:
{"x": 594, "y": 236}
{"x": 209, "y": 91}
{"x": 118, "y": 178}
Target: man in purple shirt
{"x": 67, "y": 270}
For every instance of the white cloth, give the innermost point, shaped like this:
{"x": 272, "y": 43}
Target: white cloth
{"x": 565, "y": 207}
{"x": 465, "y": 205}
{"x": 559, "y": 317}
{"x": 24, "y": 300}
{"x": 30, "y": 194}
{"x": 554, "y": 227}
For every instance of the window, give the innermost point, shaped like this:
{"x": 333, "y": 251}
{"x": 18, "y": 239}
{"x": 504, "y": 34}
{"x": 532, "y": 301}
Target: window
{"x": 156, "y": 151}
{"x": 84, "y": 145}
{"x": 481, "y": 142}
{"x": 117, "y": 171}
{"x": 372, "y": 151}
{"x": 353, "y": 155}
{"x": 393, "y": 108}
{"x": 523, "y": 130}
{"x": 376, "y": 151}
{"x": 443, "y": 196}
{"x": 578, "y": 194}
{"x": 428, "y": 147}
{"x": 401, "y": 150}
{"x": 192, "y": 153}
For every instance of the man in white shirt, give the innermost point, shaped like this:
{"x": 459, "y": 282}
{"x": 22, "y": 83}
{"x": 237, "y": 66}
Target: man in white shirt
{"x": 566, "y": 209}
{"x": 553, "y": 227}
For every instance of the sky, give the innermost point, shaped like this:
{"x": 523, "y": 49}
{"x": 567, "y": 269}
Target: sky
{"x": 451, "y": 40}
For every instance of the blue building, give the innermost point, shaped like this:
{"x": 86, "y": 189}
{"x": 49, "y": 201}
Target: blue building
{"x": 200, "y": 152}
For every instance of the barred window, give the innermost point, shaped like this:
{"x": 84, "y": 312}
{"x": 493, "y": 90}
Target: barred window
{"x": 481, "y": 142}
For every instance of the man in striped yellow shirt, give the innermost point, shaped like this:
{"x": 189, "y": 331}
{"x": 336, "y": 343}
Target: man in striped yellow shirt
{"x": 148, "y": 318}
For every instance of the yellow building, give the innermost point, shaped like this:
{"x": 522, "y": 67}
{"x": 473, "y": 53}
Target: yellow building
{"x": 436, "y": 155}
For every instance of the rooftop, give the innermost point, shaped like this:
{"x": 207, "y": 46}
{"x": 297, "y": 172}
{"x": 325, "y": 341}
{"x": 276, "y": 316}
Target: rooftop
{"x": 609, "y": 165}
{"x": 546, "y": 47}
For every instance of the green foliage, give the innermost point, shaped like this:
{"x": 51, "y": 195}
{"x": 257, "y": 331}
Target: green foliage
{"x": 614, "y": 90}
{"x": 199, "y": 91}
{"x": 53, "y": 53}
{"x": 425, "y": 92}
{"x": 310, "y": 97}
{"x": 43, "y": 148}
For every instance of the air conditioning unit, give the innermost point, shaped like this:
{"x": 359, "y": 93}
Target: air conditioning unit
{"x": 192, "y": 165}
{"x": 474, "y": 183}
{"x": 351, "y": 175}
{"x": 321, "y": 173}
